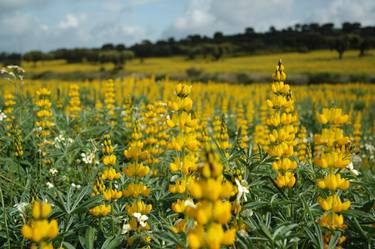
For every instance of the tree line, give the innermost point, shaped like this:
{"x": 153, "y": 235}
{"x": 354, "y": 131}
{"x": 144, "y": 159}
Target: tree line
{"x": 297, "y": 38}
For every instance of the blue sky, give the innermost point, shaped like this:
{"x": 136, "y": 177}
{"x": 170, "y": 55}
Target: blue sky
{"x": 50, "y": 24}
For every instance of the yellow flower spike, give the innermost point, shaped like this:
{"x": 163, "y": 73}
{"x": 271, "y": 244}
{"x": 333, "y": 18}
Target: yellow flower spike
{"x": 211, "y": 189}
{"x": 195, "y": 189}
{"x": 215, "y": 236}
{"x": 221, "y": 212}
{"x": 196, "y": 237}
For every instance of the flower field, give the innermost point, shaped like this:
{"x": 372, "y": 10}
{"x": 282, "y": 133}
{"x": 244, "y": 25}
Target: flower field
{"x": 143, "y": 163}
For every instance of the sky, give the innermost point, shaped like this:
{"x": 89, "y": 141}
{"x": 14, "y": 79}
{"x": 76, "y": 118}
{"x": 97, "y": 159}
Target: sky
{"x": 49, "y": 24}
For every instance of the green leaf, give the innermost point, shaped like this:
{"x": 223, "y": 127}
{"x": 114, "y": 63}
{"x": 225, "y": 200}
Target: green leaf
{"x": 112, "y": 242}
{"x": 67, "y": 245}
{"x": 87, "y": 242}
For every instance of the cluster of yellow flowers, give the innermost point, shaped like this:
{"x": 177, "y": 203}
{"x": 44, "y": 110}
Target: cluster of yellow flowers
{"x": 127, "y": 113}
{"x": 357, "y": 132}
{"x": 39, "y": 230}
{"x": 303, "y": 151}
{"x": 261, "y": 130}
{"x": 9, "y": 103}
{"x": 212, "y": 211}
{"x": 184, "y": 143}
{"x": 105, "y": 185}
{"x": 18, "y": 147}
{"x": 283, "y": 131}
{"x": 242, "y": 127}
{"x": 183, "y": 138}
{"x": 333, "y": 157}
{"x": 44, "y": 113}
{"x": 74, "y": 106}
{"x": 155, "y": 131}
{"x": 109, "y": 100}
{"x": 136, "y": 190}
{"x": 220, "y": 133}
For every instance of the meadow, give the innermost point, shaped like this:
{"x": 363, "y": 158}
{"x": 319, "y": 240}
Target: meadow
{"x": 351, "y": 67}
{"x": 148, "y": 163}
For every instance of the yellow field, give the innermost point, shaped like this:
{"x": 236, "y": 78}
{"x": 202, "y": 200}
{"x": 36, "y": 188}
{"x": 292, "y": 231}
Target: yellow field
{"x": 298, "y": 63}
{"x": 143, "y": 163}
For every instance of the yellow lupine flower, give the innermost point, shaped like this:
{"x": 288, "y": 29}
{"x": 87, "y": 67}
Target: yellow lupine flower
{"x": 333, "y": 182}
{"x": 333, "y": 203}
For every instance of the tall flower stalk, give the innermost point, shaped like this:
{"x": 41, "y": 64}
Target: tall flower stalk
{"x": 283, "y": 131}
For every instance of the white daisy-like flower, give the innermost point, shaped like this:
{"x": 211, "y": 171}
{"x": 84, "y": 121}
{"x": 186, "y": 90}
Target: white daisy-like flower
{"x": 242, "y": 190}
{"x": 141, "y": 218}
{"x": 49, "y": 185}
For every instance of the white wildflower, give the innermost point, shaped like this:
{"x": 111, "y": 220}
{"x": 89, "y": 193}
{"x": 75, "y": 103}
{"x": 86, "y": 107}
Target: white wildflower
{"x": 352, "y": 170}
{"x": 2, "y": 116}
{"x": 77, "y": 186}
{"x": 173, "y": 178}
{"x": 88, "y": 158}
{"x": 242, "y": 190}
{"x": 21, "y": 206}
{"x": 141, "y": 218}
{"x": 49, "y": 185}
{"x": 53, "y": 171}
{"x": 125, "y": 228}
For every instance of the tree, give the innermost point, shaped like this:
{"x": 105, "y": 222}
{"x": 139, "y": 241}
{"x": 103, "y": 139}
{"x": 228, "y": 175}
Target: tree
{"x": 218, "y": 35}
{"x": 108, "y": 46}
{"x": 341, "y": 45}
{"x": 249, "y": 31}
{"x": 217, "y": 52}
{"x": 117, "y": 58}
{"x": 120, "y": 47}
{"x": 363, "y": 46}
{"x": 34, "y": 56}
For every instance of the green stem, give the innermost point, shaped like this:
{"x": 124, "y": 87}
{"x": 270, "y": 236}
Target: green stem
{"x": 5, "y": 216}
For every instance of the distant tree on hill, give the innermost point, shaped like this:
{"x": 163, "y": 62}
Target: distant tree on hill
{"x": 117, "y": 58}
{"x": 120, "y": 47}
{"x": 34, "y": 56}
{"x": 142, "y": 50}
{"x": 249, "y": 31}
{"x": 364, "y": 45}
{"x": 341, "y": 45}
{"x": 108, "y": 46}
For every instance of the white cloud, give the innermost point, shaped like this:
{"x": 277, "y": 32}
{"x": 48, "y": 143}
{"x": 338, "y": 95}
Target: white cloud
{"x": 70, "y": 21}
{"x": 44, "y": 27}
{"x": 208, "y": 16}
{"x": 133, "y": 30}
{"x": 233, "y": 16}
{"x": 338, "y": 11}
